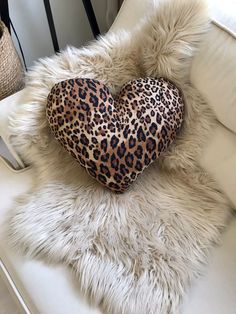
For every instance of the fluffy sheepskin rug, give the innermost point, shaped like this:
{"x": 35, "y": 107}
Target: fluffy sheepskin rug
{"x": 133, "y": 253}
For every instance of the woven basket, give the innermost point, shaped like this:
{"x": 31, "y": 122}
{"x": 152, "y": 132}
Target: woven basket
{"x": 11, "y": 71}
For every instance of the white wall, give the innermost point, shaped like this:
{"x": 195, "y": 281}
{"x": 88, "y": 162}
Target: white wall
{"x": 71, "y": 23}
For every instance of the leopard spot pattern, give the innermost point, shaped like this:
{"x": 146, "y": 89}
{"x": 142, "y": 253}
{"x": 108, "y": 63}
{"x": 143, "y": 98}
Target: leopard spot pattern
{"x": 115, "y": 139}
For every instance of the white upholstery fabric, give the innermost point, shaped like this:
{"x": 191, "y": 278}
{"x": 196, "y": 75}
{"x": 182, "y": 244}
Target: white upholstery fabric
{"x": 224, "y": 15}
{"x": 214, "y": 74}
{"x": 51, "y": 290}
{"x": 130, "y": 13}
{"x": 7, "y": 106}
{"x": 219, "y": 158}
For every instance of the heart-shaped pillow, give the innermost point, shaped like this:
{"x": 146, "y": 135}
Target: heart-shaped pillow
{"x": 115, "y": 139}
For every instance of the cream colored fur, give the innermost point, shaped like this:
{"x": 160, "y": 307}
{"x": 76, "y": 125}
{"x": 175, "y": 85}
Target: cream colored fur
{"x": 133, "y": 253}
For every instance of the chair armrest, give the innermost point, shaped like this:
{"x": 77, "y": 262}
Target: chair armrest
{"x": 7, "y": 105}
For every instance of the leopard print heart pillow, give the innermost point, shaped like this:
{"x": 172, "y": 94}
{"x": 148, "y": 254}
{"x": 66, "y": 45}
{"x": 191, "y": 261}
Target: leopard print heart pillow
{"x": 115, "y": 139}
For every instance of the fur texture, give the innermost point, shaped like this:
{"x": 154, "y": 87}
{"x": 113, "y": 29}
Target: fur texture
{"x": 133, "y": 253}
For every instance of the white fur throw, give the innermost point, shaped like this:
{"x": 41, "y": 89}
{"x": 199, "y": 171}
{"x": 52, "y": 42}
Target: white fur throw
{"x": 133, "y": 253}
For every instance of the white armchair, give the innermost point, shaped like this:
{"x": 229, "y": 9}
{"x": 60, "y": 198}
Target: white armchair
{"x": 40, "y": 288}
